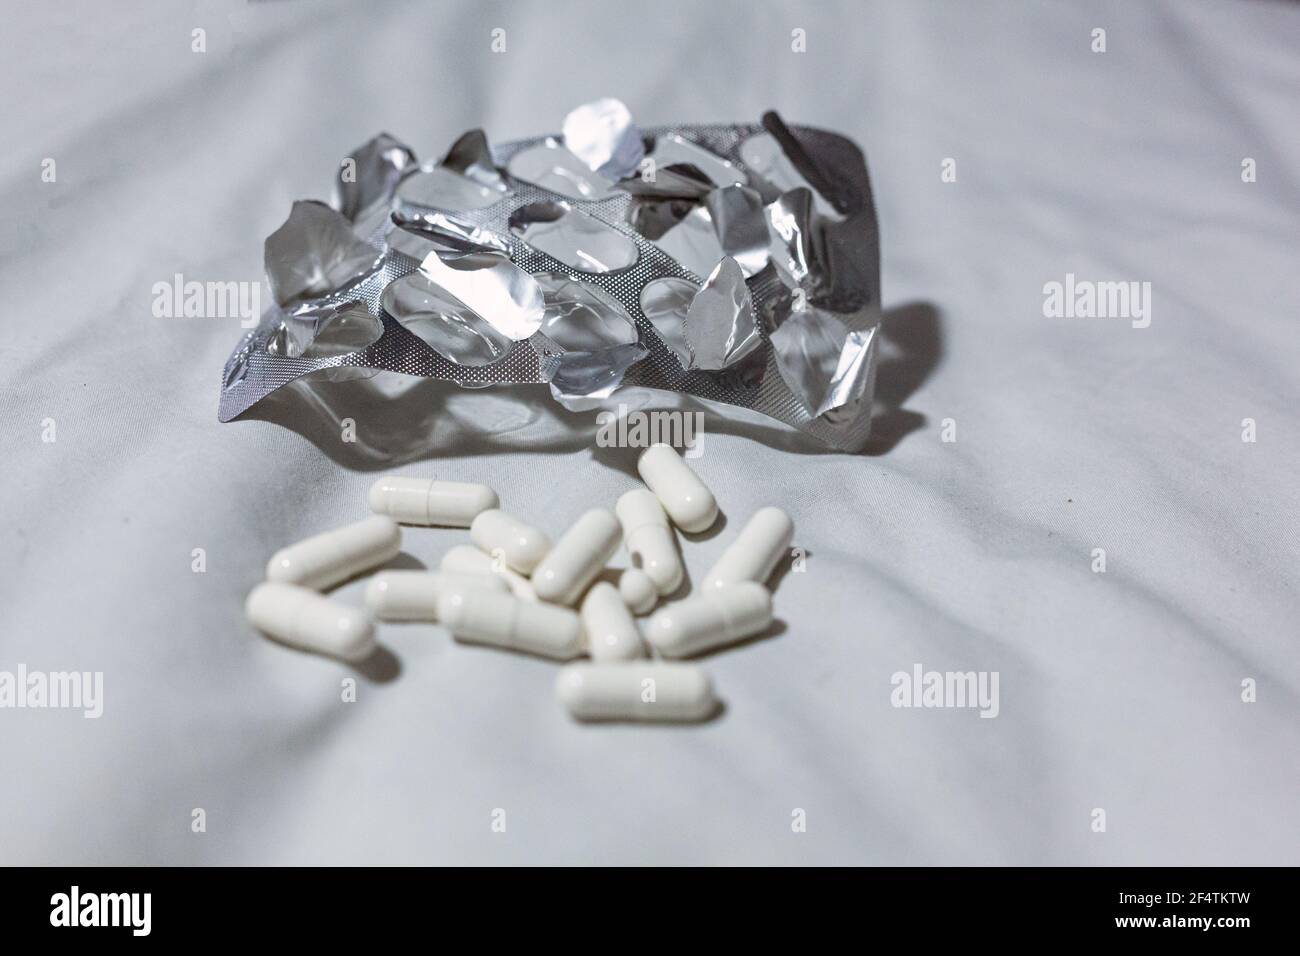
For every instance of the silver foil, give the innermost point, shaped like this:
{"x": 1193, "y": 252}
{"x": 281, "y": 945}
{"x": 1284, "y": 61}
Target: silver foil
{"x": 720, "y": 326}
{"x": 784, "y": 325}
{"x": 604, "y": 137}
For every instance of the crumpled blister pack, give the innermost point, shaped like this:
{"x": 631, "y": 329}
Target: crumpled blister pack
{"x": 738, "y": 264}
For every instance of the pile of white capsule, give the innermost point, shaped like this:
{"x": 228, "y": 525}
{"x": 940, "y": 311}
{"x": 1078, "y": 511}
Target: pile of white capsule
{"x": 515, "y": 589}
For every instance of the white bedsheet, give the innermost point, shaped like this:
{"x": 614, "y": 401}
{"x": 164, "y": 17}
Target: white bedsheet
{"x": 1119, "y": 691}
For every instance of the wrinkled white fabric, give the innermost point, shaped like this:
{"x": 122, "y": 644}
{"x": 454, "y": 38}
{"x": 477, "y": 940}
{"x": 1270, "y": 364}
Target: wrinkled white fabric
{"x": 1120, "y": 691}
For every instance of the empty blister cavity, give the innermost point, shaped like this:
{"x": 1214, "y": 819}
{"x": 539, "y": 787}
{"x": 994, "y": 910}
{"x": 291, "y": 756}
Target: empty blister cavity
{"x": 573, "y": 237}
{"x": 441, "y": 321}
{"x": 441, "y": 188}
{"x": 323, "y": 331}
{"x": 552, "y": 166}
{"x": 583, "y": 318}
{"x": 672, "y": 149}
{"x": 599, "y": 338}
{"x": 314, "y": 253}
{"x": 665, "y": 303}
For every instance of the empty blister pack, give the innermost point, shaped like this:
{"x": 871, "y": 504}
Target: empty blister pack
{"x": 738, "y": 264}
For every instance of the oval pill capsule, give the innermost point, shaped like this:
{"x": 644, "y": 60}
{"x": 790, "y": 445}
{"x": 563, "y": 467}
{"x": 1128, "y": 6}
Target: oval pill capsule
{"x": 755, "y": 553}
{"x": 337, "y": 555}
{"x": 649, "y": 539}
{"x": 611, "y": 633}
{"x": 577, "y": 557}
{"x": 714, "y": 618}
{"x": 485, "y": 617}
{"x": 413, "y": 595}
{"x": 687, "y": 500}
{"x": 423, "y": 501}
{"x": 467, "y": 559}
{"x": 633, "y": 690}
{"x": 521, "y": 545}
{"x": 312, "y": 622}
{"x": 637, "y": 591}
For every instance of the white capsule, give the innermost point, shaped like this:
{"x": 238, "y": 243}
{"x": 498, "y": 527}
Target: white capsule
{"x": 310, "y": 621}
{"x": 520, "y": 545}
{"x": 686, "y": 499}
{"x": 649, "y": 539}
{"x": 611, "y": 633}
{"x": 413, "y": 595}
{"x": 485, "y": 617}
{"x": 577, "y": 557}
{"x": 337, "y": 555}
{"x": 467, "y": 559}
{"x": 755, "y": 553}
{"x": 633, "y": 690}
{"x": 637, "y": 590}
{"x": 423, "y": 501}
{"x": 714, "y": 618}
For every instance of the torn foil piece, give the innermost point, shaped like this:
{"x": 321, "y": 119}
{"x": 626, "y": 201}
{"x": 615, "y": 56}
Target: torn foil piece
{"x": 471, "y": 157}
{"x": 492, "y": 287}
{"x": 322, "y": 331}
{"x": 603, "y": 136}
{"x": 446, "y": 189}
{"x": 793, "y": 251}
{"x": 368, "y": 177}
{"x": 825, "y": 364}
{"x": 314, "y": 253}
{"x": 451, "y": 231}
{"x": 740, "y": 222}
{"x": 719, "y": 326}
{"x": 675, "y": 181}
